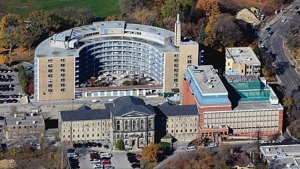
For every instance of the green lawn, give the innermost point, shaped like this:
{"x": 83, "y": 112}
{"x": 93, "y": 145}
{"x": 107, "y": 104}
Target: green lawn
{"x": 101, "y": 8}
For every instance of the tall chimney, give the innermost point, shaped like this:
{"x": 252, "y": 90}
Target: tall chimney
{"x": 177, "y": 37}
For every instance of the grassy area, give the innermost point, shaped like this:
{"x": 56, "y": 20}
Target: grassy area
{"x": 101, "y": 8}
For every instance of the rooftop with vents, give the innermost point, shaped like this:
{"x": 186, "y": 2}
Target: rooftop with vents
{"x": 208, "y": 79}
{"x": 242, "y": 55}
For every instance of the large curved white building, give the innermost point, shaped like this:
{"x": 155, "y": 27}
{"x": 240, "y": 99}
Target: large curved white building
{"x": 69, "y": 58}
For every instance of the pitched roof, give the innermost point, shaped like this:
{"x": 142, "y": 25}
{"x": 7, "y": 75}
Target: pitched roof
{"x": 178, "y": 110}
{"x": 78, "y": 115}
{"x": 84, "y": 107}
{"x": 128, "y": 100}
{"x": 123, "y": 110}
{"x": 242, "y": 159}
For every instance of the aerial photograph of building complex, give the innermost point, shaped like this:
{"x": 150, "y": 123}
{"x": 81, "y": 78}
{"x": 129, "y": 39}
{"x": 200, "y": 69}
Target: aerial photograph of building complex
{"x": 156, "y": 84}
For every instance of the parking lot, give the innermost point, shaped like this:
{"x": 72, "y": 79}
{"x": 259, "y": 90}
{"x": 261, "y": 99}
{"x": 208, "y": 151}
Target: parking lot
{"x": 9, "y": 86}
{"x": 116, "y": 160}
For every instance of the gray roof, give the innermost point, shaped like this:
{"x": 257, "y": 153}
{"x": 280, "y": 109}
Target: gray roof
{"x": 78, "y": 115}
{"x": 128, "y": 100}
{"x": 179, "y": 110}
{"x": 125, "y": 110}
{"x": 24, "y": 120}
{"x": 84, "y": 107}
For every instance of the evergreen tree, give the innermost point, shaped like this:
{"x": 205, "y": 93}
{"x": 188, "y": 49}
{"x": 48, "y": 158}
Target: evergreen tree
{"x": 201, "y": 36}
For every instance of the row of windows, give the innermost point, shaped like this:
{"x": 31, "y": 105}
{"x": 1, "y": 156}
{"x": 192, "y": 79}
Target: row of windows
{"x": 74, "y": 124}
{"x": 50, "y": 60}
{"x": 14, "y": 127}
{"x": 182, "y": 118}
{"x": 181, "y": 125}
{"x": 84, "y": 136}
{"x": 176, "y": 131}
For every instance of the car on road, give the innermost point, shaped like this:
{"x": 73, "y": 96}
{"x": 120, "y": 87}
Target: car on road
{"x": 191, "y": 148}
{"x": 283, "y": 20}
{"x": 268, "y": 29}
{"x": 296, "y": 7}
{"x": 293, "y": 66}
{"x": 211, "y": 145}
{"x": 106, "y": 146}
{"x": 135, "y": 165}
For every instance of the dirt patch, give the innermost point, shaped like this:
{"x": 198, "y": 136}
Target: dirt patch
{"x": 6, "y": 163}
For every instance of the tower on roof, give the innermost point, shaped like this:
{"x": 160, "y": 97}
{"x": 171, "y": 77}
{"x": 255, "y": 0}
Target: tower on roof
{"x": 177, "y": 32}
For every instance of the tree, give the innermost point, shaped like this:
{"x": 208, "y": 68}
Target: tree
{"x": 298, "y": 55}
{"x": 150, "y": 152}
{"x": 12, "y": 29}
{"x": 120, "y": 145}
{"x": 209, "y": 7}
{"x": 170, "y": 8}
{"x": 226, "y": 32}
{"x": 30, "y": 88}
{"x": 14, "y": 110}
{"x": 3, "y": 59}
{"x": 223, "y": 159}
{"x": 201, "y": 36}
{"x": 22, "y": 78}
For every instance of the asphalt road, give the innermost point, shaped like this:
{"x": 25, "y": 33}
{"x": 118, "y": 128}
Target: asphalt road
{"x": 275, "y": 44}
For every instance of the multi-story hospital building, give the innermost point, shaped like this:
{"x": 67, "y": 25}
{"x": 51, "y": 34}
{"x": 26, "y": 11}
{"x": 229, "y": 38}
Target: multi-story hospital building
{"x": 66, "y": 60}
{"x": 232, "y": 105}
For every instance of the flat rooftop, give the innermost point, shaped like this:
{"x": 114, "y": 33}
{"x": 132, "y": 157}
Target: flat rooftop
{"x": 27, "y": 121}
{"x": 257, "y": 105}
{"x": 241, "y": 78}
{"x": 279, "y": 156}
{"x": 207, "y": 79}
{"x": 44, "y": 49}
{"x": 242, "y": 55}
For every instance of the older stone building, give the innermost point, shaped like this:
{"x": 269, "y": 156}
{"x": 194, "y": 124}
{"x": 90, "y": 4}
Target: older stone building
{"x": 126, "y": 118}
{"x": 16, "y": 127}
{"x": 181, "y": 121}
{"x": 84, "y": 125}
{"x": 133, "y": 121}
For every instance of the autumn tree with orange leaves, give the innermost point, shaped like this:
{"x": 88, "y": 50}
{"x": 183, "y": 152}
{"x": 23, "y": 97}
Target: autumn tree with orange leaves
{"x": 209, "y": 7}
{"x": 150, "y": 152}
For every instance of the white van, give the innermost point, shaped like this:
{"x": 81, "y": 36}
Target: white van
{"x": 94, "y": 101}
{"x": 105, "y": 155}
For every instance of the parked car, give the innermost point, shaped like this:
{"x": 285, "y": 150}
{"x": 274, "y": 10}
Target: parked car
{"x": 105, "y": 155}
{"x": 191, "y": 148}
{"x": 212, "y": 145}
{"x": 106, "y": 146}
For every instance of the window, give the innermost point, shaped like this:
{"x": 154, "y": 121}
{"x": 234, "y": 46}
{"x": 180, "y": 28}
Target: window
{"x": 49, "y": 60}
{"x": 62, "y": 65}
{"x": 142, "y": 124}
{"x": 50, "y": 90}
{"x": 175, "y": 74}
{"x": 63, "y": 75}
{"x": 62, "y": 60}
{"x": 228, "y": 64}
{"x": 175, "y": 60}
{"x": 175, "y": 80}
{"x": 134, "y": 125}
{"x": 189, "y": 61}
{"x": 50, "y": 65}
{"x": 50, "y": 75}
{"x": 62, "y": 70}
{"x": 49, "y": 85}
{"x": 62, "y": 90}
{"x": 175, "y": 70}
{"x": 175, "y": 65}
{"x": 62, "y": 85}
{"x": 49, "y": 70}
{"x": 189, "y": 56}
{"x": 126, "y": 127}
{"x": 78, "y": 136}
{"x": 150, "y": 124}
{"x": 63, "y": 80}
{"x": 176, "y": 56}
{"x": 118, "y": 125}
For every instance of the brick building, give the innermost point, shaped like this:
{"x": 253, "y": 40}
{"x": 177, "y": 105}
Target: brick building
{"x": 233, "y": 105}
